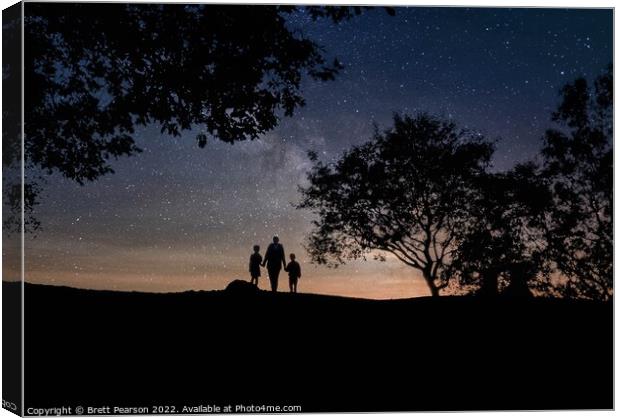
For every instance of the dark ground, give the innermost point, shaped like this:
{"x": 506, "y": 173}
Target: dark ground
{"x": 97, "y": 348}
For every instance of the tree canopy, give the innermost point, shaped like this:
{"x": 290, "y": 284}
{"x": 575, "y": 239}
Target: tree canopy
{"x": 94, "y": 72}
{"x": 405, "y": 193}
{"x": 502, "y": 245}
{"x": 578, "y": 161}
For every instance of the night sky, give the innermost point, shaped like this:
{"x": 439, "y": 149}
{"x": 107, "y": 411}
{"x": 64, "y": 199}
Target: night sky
{"x": 177, "y": 217}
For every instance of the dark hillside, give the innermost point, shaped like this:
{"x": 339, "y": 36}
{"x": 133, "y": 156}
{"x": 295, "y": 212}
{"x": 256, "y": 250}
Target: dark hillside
{"x": 97, "y": 348}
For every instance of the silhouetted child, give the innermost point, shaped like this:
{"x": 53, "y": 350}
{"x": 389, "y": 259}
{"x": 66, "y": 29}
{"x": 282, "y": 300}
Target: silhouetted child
{"x": 255, "y": 260}
{"x": 294, "y": 273}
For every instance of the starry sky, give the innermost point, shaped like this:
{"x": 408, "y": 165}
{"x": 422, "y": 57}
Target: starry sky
{"x": 177, "y": 217}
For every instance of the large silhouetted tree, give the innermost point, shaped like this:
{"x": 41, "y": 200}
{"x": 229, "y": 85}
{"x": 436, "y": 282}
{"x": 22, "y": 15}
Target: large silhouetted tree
{"x": 406, "y": 193}
{"x": 93, "y": 72}
{"x": 578, "y": 160}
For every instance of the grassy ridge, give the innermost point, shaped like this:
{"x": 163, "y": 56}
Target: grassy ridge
{"x": 324, "y": 353}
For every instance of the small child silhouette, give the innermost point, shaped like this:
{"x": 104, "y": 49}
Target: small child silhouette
{"x": 255, "y": 260}
{"x": 294, "y": 273}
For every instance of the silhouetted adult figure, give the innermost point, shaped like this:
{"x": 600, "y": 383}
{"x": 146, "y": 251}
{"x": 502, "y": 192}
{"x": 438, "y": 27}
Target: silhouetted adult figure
{"x": 275, "y": 260}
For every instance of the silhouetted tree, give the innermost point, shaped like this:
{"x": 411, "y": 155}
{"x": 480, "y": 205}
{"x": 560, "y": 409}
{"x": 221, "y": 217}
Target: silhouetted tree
{"x": 578, "y": 160}
{"x": 93, "y": 72}
{"x": 503, "y": 239}
{"x": 406, "y": 192}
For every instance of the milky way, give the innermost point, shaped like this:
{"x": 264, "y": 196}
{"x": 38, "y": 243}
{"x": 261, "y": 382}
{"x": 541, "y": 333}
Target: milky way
{"x": 178, "y": 217}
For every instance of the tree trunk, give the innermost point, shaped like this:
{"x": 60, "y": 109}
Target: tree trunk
{"x": 430, "y": 281}
{"x": 520, "y": 275}
{"x": 490, "y": 284}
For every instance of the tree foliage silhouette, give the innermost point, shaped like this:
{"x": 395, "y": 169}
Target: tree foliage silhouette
{"x": 503, "y": 238}
{"x": 93, "y": 72}
{"x": 406, "y": 192}
{"x": 578, "y": 160}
